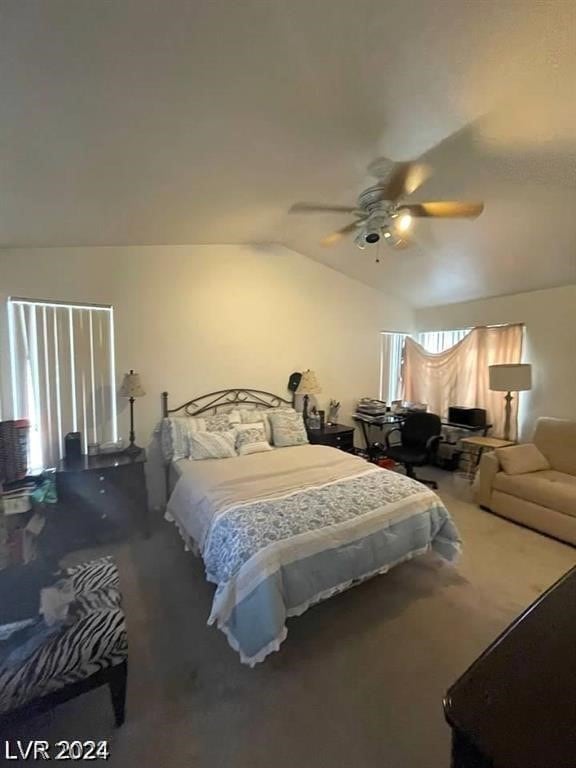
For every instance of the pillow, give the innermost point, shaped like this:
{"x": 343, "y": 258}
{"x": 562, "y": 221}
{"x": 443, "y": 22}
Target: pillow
{"x": 257, "y": 417}
{"x": 520, "y": 459}
{"x": 251, "y": 438}
{"x": 174, "y": 433}
{"x": 222, "y": 422}
{"x": 288, "y": 428}
{"x": 212, "y": 445}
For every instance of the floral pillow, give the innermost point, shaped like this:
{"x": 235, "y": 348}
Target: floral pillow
{"x": 288, "y": 428}
{"x": 222, "y": 422}
{"x": 251, "y": 438}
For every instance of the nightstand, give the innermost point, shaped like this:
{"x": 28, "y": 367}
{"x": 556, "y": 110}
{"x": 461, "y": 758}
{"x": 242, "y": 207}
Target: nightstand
{"x": 105, "y": 495}
{"x": 336, "y": 436}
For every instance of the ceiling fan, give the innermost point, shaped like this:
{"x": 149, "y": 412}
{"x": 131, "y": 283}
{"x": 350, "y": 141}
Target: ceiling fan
{"x": 380, "y": 212}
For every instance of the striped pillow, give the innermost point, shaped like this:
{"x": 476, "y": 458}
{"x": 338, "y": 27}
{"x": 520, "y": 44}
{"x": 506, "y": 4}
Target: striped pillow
{"x": 174, "y": 434}
{"x": 176, "y": 430}
{"x": 212, "y": 445}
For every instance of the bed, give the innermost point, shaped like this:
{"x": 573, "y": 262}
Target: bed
{"x": 281, "y": 530}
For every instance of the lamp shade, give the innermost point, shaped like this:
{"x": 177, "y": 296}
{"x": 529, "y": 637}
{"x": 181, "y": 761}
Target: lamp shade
{"x": 308, "y": 384}
{"x": 131, "y": 386}
{"x": 510, "y": 377}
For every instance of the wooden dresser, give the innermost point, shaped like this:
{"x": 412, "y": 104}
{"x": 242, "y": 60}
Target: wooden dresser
{"x": 335, "y": 435}
{"x": 105, "y": 495}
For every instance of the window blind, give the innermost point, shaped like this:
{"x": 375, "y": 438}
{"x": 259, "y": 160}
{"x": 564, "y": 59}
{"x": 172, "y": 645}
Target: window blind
{"x": 440, "y": 341}
{"x": 391, "y": 365}
{"x": 63, "y": 374}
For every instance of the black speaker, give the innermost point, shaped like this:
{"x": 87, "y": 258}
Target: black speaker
{"x": 72, "y": 447}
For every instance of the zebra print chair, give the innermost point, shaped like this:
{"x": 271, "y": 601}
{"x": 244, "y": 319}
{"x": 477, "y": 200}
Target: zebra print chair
{"x": 89, "y": 652}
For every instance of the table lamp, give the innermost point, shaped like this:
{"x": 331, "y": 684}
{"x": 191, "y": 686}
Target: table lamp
{"x": 510, "y": 377}
{"x": 307, "y": 386}
{"x": 132, "y": 388}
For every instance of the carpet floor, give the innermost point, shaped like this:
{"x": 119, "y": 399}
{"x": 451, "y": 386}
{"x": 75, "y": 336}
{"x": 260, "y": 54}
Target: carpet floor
{"x": 359, "y": 681}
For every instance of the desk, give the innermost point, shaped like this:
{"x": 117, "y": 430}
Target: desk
{"x": 389, "y": 420}
{"x": 395, "y": 419}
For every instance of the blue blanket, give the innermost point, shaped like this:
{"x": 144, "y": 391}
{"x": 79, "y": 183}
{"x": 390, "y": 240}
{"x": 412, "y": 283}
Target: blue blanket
{"x": 273, "y": 558}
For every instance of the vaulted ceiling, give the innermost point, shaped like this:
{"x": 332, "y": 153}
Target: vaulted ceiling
{"x": 202, "y": 121}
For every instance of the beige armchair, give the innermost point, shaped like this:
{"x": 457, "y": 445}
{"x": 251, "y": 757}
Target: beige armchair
{"x": 544, "y": 500}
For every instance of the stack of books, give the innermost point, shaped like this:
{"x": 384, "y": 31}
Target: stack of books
{"x": 370, "y": 411}
{"x": 370, "y": 407}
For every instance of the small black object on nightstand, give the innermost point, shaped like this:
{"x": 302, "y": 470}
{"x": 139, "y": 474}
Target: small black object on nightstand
{"x": 105, "y": 495}
{"x": 335, "y": 435}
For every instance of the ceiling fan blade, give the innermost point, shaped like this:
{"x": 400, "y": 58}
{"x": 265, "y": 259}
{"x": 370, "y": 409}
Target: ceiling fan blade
{"x": 444, "y": 210}
{"x": 405, "y": 179}
{"x": 335, "y": 237}
{"x": 320, "y": 208}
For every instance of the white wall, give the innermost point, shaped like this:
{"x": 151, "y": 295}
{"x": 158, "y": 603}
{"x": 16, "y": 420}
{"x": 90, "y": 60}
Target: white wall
{"x": 550, "y": 319}
{"x": 193, "y": 319}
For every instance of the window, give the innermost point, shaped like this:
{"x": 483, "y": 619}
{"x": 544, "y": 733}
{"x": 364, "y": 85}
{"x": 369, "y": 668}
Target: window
{"x": 440, "y": 341}
{"x": 391, "y": 356}
{"x": 63, "y": 375}
{"x": 391, "y": 366}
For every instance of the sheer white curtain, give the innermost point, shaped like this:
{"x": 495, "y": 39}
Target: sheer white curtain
{"x": 391, "y": 365}
{"x": 459, "y": 375}
{"x": 392, "y": 350}
{"x": 62, "y": 374}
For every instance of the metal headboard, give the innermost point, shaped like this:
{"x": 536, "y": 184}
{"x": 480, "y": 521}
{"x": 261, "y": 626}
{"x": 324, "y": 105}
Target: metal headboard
{"x": 224, "y": 399}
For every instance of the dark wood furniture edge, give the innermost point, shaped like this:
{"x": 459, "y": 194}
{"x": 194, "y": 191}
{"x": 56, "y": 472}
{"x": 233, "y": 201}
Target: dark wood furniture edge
{"x": 114, "y": 676}
{"x": 447, "y": 701}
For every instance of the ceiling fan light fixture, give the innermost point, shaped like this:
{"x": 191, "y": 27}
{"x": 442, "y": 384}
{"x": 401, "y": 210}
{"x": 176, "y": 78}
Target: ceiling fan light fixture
{"x": 403, "y": 222}
{"x": 380, "y": 211}
{"x": 359, "y": 240}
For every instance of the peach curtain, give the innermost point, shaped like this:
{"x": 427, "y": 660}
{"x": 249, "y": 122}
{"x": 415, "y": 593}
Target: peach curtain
{"x": 459, "y": 376}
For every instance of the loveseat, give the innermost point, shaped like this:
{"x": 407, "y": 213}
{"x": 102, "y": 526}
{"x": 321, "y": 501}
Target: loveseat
{"x": 543, "y": 498}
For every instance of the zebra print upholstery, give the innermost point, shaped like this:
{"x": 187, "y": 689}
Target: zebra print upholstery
{"x": 93, "y": 640}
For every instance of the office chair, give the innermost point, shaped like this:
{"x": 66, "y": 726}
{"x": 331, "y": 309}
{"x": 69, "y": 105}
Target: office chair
{"x": 420, "y": 434}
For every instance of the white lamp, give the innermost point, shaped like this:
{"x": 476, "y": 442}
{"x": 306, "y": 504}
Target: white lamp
{"x": 308, "y": 386}
{"x": 131, "y": 388}
{"x": 510, "y": 377}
